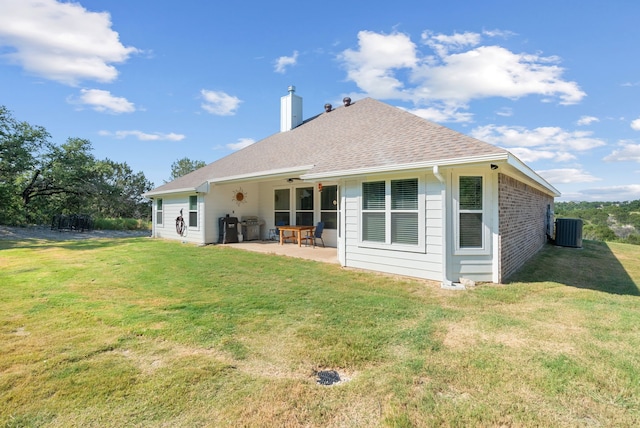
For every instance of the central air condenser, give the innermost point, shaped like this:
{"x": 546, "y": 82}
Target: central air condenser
{"x": 569, "y": 232}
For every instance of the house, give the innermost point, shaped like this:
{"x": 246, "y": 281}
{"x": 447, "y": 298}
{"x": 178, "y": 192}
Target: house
{"x": 397, "y": 193}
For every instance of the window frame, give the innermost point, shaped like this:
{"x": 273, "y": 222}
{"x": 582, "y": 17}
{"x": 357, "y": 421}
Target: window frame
{"x": 333, "y": 211}
{"x": 300, "y": 210}
{"x": 279, "y": 212}
{"x": 159, "y": 212}
{"x": 484, "y": 248}
{"x": 193, "y": 212}
{"x": 388, "y": 212}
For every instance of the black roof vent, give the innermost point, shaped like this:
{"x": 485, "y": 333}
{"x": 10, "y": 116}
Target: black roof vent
{"x": 346, "y": 101}
{"x": 327, "y": 107}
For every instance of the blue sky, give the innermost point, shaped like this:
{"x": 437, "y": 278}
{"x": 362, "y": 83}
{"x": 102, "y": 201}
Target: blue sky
{"x": 149, "y": 82}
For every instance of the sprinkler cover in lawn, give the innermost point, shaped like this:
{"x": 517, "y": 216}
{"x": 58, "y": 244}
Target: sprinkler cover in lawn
{"x": 328, "y": 377}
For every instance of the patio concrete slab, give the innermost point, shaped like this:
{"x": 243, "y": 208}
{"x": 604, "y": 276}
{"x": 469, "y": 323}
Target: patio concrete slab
{"x": 319, "y": 254}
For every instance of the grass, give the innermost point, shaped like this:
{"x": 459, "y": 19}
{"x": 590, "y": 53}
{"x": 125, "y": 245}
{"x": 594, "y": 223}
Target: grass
{"x": 141, "y": 332}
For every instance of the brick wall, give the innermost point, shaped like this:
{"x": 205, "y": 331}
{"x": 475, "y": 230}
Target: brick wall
{"x": 523, "y": 213}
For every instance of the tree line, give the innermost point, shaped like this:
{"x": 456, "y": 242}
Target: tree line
{"x": 40, "y": 179}
{"x": 605, "y": 221}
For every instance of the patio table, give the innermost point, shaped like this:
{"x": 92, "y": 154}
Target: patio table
{"x": 297, "y": 231}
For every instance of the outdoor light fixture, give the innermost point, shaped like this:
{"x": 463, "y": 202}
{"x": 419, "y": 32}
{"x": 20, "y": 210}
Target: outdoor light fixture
{"x": 494, "y": 166}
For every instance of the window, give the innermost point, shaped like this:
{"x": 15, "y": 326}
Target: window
{"x": 193, "y": 211}
{"x": 404, "y": 212}
{"x": 329, "y": 207}
{"x": 470, "y": 211}
{"x": 373, "y": 211}
{"x": 390, "y": 212}
{"x": 159, "y": 211}
{"x": 304, "y": 206}
{"x": 281, "y": 203}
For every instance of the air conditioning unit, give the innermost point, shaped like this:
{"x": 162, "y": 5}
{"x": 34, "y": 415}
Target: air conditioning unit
{"x": 569, "y": 232}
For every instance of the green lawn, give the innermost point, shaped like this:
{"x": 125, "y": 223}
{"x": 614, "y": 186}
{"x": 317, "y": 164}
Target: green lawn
{"x": 142, "y": 332}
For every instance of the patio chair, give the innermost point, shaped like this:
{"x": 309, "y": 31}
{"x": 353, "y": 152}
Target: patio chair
{"x": 314, "y": 235}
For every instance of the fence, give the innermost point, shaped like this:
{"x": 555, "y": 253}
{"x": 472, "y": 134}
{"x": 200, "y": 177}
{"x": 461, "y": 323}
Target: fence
{"x": 74, "y": 222}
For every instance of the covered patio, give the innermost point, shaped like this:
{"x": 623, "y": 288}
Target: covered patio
{"x": 319, "y": 254}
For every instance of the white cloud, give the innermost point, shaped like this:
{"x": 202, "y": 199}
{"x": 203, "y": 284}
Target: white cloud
{"x": 621, "y": 193}
{"x": 443, "y": 44}
{"x": 628, "y": 152}
{"x": 241, "y": 144}
{"x": 219, "y": 103}
{"x": 505, "y": 112}
{"x": 635, "y": 125}
{"x": 458, "y": 70}
{"x": 567, "y": 175}
{"x": 61, "y": 41}
{"x": 528, "y": 155}
{"x": 587, "y": 120}
{"x": 493, "y": 71}
{"x": 543, "y": 138}
{"x": 103, "y": 101}
{"x": 143, "y": 136}
{"x": 442, "y": 114}
{"x": 372, "y": 66}
{"x": 285, "y": 61}
{"x": 505, "y": 34}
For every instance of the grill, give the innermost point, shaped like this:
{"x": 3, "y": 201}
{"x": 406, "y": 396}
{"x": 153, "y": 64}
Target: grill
{"x": 251, "y": 228}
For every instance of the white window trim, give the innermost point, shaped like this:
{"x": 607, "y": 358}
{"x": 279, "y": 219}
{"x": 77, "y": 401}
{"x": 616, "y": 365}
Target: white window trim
{"x": 197, "y": 211}
{"x": 294, "y": 201}
{"x": 387, "y": 245}
{"x": 156, "y": 223}
{"x": 320, "y": 211}
{"x": 291, "y": 201}
{"x": 485, "y": 249}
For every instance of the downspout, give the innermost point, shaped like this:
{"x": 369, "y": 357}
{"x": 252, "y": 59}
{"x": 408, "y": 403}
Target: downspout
{"x": 446, "y": 282}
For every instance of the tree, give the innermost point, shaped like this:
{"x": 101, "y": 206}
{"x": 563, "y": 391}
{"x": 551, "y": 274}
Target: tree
{"x": 120, "y": 191}
{"x": 65, "y": 176}
{"x": 184, "y": 166}
{"x": 20, "y": 147}
{"x": 39, "y": 179}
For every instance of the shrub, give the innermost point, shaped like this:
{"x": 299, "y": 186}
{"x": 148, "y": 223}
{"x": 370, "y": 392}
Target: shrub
{"x": 121, "y": 224}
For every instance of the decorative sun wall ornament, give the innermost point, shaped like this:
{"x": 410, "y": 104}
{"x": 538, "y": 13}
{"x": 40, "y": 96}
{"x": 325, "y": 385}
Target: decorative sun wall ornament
{"x": 239, "y": 196}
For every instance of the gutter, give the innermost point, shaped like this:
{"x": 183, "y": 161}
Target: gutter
{"x": 200, "y": 189}
{"x": 405, "y": 167}
{"x": 274, "y": 173}
{"x": 446, "y": 282}
{"x": 531, "y": 174}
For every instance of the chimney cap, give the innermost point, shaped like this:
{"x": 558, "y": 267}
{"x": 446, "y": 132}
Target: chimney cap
{"x": 291, "y": 88}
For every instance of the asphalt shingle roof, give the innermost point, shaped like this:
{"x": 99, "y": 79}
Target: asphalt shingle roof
{"x": 366, "y": 134}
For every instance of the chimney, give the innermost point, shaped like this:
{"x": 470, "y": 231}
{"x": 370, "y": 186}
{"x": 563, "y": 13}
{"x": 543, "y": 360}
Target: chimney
{"x": 290, "y": 110}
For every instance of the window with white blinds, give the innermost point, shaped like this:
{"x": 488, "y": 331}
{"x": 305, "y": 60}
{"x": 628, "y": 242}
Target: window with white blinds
{"x": 390, "y": 212}
{"x": 470, "y": 211}
{"x": 373, "y": 211}
{"x": 404, "y": 211}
